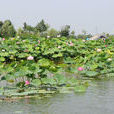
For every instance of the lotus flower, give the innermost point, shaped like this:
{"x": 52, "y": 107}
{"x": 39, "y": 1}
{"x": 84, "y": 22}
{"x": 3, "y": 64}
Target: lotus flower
{"x": 58, "y": 36}
{"x": 105, "y": 45}
{"x": 39, "y": 41}
{"x": 24, "y": 40}
{"x": 3, "y": 50}
{"x": 12, "y": 38}
{"x": 30, "y": 58}
{"x": 71, "y": 44}
{"x": 67, "y": 43}
{"x": 109, "y": 59}
{"x": 3, "y": 38}
{"x": 80, "y": 68}
{"x": 59, "y": 47}
{"x": 18, "y": 36}
{"x": 27, "y": 82}
{"x": 48, "y": 36}
{"x": 99, "y": 50}
{"x": 17, "y": 42}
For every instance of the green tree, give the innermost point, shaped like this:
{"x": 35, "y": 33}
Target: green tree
{"x": 72, "y": 34}
{"x": 8, "y": 29}
{"x": 52, "y": 33}
{"x": 28, "y": 28}
{"x": 65, "y": 31}
{"x": 1, "y": 23}
{"x": 25, "y": 26}
{"x": 42, "y": 26}
{"x": 20, "y": 31}
{"x": 82, "y": 36}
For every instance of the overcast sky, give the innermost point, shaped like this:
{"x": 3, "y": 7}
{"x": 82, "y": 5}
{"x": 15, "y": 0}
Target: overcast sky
{"x": 90, "y": 15}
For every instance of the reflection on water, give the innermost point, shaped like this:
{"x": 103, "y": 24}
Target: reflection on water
{"x": 99, "y": 99}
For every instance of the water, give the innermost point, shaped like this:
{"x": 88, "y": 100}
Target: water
{"x": 99, "y": 99}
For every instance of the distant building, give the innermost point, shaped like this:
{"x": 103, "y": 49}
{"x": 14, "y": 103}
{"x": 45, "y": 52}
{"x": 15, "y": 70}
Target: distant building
{"x": 98, "y": 36}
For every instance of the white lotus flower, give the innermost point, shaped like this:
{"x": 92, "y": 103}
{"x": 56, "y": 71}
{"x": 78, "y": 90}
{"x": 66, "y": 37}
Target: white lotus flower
{"x": 99, "y": 50}
{"x": 48, "y": 36}
{"x": 109, "y": 59}
{"x": 3, "y": 50}
{"x": 18, "y": 36}
{"x": 58, "y": 36}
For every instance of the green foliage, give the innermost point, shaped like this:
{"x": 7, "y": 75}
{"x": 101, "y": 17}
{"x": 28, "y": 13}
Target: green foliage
{"x": 41, "y": 26}
{"x": 7, "y": 29}
{"x": 65, "y": 31}
{"x": 84, "y": 36}
{"x": 28, "y": 28}
{"x": 49, "y": 53}
{"x": 52, "y": 33}
{"x": 1, "y": 24}
{"x": 43, "y": 61}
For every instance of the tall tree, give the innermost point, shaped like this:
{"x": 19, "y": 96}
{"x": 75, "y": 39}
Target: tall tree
{"x": 25, "y": 26}
{"x": 65, "y": 31}
{"x": 28, "y": 28}
{"x": 8, "y": 29}
{"x": 1, "y": 23}
{"x": 42, "y": 26}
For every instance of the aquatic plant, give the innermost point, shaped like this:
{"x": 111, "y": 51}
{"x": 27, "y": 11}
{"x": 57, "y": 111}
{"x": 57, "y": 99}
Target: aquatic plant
{"x": 37, "y": 59}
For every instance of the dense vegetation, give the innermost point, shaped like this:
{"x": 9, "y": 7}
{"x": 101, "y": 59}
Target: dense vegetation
{"x": 29, "y": 61}
{"x": 41, "y": 29}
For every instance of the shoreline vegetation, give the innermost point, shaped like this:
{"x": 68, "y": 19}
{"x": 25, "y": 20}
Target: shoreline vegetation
{"x": 33, "y": 61}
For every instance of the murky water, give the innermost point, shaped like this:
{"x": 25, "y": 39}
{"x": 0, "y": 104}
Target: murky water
{"x": 99, "y": 99}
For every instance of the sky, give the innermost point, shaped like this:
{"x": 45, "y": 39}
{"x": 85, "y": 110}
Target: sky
{"x": 94, "y": 16}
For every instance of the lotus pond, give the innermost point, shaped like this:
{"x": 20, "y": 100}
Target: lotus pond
{"x": 32, "y": 66}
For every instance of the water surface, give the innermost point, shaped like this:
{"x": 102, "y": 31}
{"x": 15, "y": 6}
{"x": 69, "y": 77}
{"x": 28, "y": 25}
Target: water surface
{"x": 99, "y": 99}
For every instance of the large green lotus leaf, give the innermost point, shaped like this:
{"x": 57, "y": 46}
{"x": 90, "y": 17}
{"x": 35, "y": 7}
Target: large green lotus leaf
{"x": 73, "y": 70}
{"x": 4, "y": 54}
{"x": 2, "y": 59}
{"x": 26, "y": 93}
{"x": 46, "y": 92}
{"x": 110, "y": 75}
{"x": 69, "y": 60}
{"x": 92, "y": 73}
{"x": 103, "y": 71}
{"x": 36, "y": 82}
{"x": 60, "y": 79}
{"x": 49, "y": 81}
{"x": 44, "y": 62}
{"x": 72, "y": 82}
{"x": 23, "y": 55}
{"x": 57, "y": 55}
{"x": 110, "y": 70}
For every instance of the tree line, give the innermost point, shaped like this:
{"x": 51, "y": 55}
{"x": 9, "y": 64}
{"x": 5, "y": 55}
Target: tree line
{"x": 42, "y": 29}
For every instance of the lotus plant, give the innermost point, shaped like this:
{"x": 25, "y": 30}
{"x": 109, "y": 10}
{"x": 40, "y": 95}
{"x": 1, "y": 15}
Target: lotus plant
{"x": 27, "y": 82}
{"x": 3, "y": 39}
{"x": 80, "y": 68}
{"x": 109, "y": 59}
{"x": 30, "y": 58}
{"x": 99, "y": 50}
